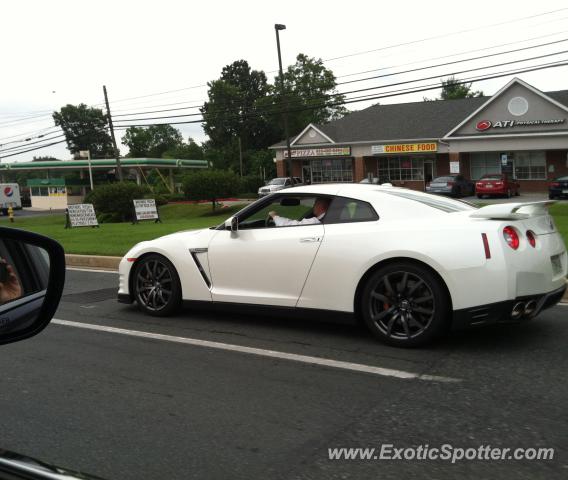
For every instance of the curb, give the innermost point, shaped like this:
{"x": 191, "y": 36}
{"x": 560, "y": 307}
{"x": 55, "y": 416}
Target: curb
{"x": 92, "y": 261}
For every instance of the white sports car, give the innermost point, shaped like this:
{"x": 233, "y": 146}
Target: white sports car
{"x": 409, "y": 264}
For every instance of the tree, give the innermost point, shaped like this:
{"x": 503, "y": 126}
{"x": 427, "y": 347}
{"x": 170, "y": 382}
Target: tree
{"x": 307, "y": 83}
{"x": 85, "y": 129}
{"x": 229, "y": 113}
{"x": 187, "y": 151}
{"x": 453, "y": 88}
{"x": 151, "y": 142}
{"x": 210, "y": 185}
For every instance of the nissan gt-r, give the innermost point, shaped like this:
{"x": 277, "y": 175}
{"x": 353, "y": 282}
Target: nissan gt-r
{"x": 409, "y": 264}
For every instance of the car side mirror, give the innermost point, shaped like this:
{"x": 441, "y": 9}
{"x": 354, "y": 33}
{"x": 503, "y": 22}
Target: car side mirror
{"x": 232, "y": 224}
{"x": 32, "y": 275}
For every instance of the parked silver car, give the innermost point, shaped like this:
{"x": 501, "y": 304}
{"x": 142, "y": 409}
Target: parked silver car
{"x": 279, "y": 183}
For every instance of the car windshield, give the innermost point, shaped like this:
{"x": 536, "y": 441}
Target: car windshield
{"x": 444, "y": 179}
{"x": 562, "y": 179}
{"x": 277, "y": 181}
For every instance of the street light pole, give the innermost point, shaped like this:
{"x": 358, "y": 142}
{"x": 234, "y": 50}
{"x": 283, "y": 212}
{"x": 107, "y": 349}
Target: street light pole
{"x": 277, "y": 28}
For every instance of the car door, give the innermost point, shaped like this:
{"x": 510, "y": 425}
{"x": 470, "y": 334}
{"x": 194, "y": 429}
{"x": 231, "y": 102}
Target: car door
{"x": 264, "y": 265}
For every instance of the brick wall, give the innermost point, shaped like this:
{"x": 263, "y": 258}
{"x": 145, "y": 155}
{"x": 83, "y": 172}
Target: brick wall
{"x": 358, "y": 169}
{"x": 280, "y": 168}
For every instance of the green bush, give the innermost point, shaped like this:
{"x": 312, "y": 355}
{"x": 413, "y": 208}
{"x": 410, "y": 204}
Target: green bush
{"x": 159, "y": 198}
{"x": 113, "y": 202}
{"x": 250, "y": 183}
{"x": 210, "y": 185}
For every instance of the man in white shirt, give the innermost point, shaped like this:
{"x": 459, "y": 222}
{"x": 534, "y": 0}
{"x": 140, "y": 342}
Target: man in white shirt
{"x": 319, "y": 210}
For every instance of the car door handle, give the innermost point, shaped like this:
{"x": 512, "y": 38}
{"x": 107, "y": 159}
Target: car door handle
{"x": 309, "y": 239}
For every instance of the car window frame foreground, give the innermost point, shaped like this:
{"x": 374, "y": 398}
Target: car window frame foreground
{"x": 49, "y": 300}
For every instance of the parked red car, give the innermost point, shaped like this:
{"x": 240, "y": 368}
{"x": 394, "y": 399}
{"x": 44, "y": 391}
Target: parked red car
{"x": 496, "y": 184}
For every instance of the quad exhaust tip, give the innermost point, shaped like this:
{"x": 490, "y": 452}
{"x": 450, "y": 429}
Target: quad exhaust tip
{"x": 530, "y": 308}
{"x": 518, "y": 310}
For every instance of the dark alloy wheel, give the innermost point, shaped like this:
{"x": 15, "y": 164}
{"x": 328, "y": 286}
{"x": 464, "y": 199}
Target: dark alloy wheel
{"x": 156, "y": 286}
{"x": 405, "y": 305}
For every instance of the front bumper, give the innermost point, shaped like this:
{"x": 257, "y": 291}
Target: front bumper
{"x": 500, "y": 312}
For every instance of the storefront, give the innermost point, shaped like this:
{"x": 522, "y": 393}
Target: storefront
{"x": 519, "y": 131}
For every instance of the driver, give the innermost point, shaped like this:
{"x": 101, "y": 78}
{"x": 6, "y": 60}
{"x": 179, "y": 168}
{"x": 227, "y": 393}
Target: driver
{"x": 10, "y": 288}
{"x": 319, "y": 210}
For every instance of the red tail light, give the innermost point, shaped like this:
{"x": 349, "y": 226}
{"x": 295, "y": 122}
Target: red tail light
{"x": 555, "y": 185}
{"x": 531, "y": 238}
{"x": 511, "y": 237}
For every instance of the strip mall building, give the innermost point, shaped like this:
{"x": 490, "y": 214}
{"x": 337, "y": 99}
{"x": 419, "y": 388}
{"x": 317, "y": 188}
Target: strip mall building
{"x": 519, "y": 130}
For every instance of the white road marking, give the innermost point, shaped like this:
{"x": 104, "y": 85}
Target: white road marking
{"x": 93, "y": 270}
{"x": 357, "y": 367}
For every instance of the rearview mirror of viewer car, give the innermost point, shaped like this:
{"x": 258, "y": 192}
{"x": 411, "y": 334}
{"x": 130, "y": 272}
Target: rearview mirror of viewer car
{"x": 32, "y": 274}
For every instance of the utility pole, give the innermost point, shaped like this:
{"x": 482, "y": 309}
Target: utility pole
{"x": 116, "y": 151}
{"x": 279, "y": 27}
{"x": 241, "y": 155}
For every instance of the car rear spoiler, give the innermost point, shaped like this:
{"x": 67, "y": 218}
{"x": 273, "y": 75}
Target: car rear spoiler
{"x": 513, "y": 211}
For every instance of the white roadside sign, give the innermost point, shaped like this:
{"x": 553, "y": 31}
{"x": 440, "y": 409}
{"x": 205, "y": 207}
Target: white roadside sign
{"x": 82, "y": 215}
{"x": 146, "y": 209}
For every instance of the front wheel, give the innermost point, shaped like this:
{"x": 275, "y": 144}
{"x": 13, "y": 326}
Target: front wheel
{"x": 156, "y": 286}
{"x": 405, "y": 305}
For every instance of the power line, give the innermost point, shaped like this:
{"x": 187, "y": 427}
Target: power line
{"x": 455, "y": 61}
{"x": 367, "y": 78}
{"x": 370, "y": 51}
{"x": 365, "y": 89}
{"x": 378, "y": 96}
{"x": 31, "y": 143}
{"x": 31, "y": 149}
{"x": 367, "y": 98}
{"x": 444, "y": 35}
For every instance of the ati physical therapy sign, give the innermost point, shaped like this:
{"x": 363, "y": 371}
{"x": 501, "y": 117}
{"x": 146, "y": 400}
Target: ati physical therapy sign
{"x": 405, "y": 148}
{"x": 485, "y": 125}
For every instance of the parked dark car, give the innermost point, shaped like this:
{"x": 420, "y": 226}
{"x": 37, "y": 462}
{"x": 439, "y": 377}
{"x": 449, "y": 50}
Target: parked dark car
{"x": 497, "y": 184}
{"x": 558, "y": 188}
{"x": 454, "y": 185}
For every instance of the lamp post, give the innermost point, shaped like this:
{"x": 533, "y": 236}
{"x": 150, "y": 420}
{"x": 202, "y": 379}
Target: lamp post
{"x": 277, "y": 28}
{"x": 87, "y": 153}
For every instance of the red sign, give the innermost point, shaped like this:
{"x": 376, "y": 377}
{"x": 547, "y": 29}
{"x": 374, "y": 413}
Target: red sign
{"x": 483, "y": 125}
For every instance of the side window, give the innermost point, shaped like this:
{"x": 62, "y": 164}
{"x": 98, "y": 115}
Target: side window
{"x": 287, "y": 206}
{"x": 348, "y": 210}
{"x": 287, "y": 184}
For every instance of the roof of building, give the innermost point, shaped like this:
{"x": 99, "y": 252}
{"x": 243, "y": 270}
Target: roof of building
{"x": 407, "y": 121}
{"x": 106, "y": 163}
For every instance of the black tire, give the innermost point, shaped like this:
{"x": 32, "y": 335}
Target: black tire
{"x": 508, "y": 194}
{"x": 405, "y": 305}
{"x": 151, "y": 277}
{"x": 551, "y": 197}
{"x": 479, "y": 195}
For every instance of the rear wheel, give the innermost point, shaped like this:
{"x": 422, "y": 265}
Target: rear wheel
{"x": 508, "y": 194}
{"x": 405, "y": 305}
{"x": 479, "y": 195}
{"x": 156, "y": 286}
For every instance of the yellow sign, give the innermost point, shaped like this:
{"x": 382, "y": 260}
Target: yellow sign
{"x": 405, "y": 148}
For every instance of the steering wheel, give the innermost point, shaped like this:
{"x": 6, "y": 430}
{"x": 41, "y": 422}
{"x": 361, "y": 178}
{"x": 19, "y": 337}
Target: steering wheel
{"x": 269, "y": 222}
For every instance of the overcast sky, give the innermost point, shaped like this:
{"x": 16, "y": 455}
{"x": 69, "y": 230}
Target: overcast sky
{"x": 60, "y": 52}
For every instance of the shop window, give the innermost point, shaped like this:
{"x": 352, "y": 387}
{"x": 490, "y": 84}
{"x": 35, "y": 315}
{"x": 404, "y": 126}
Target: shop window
{"x": 400, "y": 168}
{"x": 332, "y": 170}
{"x": 484, "y": 164}
{"x": 530, "y": 165}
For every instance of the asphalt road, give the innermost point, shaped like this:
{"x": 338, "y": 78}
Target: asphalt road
{"x": 125, "y": 407}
